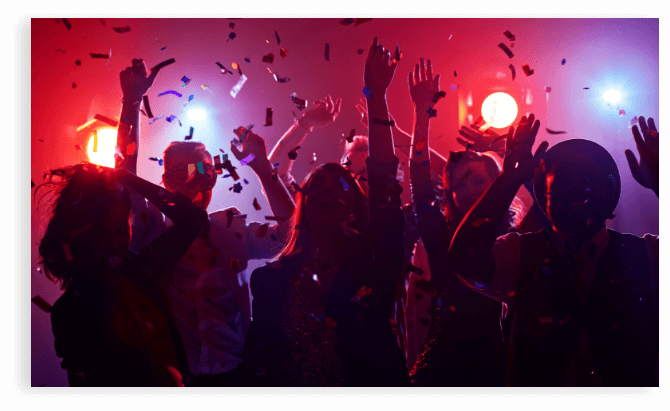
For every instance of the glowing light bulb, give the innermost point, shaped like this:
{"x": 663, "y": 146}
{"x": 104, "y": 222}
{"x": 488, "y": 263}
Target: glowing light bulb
{"x": 196, "y": 114}
{"x": 499, "y": 109}
{"x": 612, "y": 96}
{"x": 106, "y": 147}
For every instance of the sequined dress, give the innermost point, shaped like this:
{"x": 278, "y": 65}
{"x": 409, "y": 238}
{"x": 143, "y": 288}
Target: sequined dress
{"x": 314, "y": 360}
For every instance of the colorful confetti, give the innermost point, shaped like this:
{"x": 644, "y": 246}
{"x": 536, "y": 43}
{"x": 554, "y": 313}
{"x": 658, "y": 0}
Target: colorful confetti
{"x": 238, "y": 86}
{"x": 268, "y": 117}
{"x": 527, "y": 70}
{"x": 122, "y": 29}
{"x": 145, "y": 99}
{"x": 506, "y": 50}
{"x": 159, "y": 66}
{"x": 170, "y": 92}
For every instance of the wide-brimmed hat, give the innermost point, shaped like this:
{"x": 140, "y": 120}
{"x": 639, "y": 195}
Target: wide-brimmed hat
{"x": 590, "y": 162}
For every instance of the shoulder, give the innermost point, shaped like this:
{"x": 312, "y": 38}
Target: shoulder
{"x": 270, "y": 277}
{"x": 69, "y": 305}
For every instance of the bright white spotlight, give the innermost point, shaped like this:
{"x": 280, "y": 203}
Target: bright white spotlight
{"x": 612, "y": 96}
{"x": 196, "y": 114}
{"x": 499, "y": 110}
{"x": 106, "y": 147}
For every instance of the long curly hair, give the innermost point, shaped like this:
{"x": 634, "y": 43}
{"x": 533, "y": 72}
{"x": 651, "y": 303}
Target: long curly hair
{"x": 81, "y": 198}
{"x": 493, "y": 169}
{"x": 299, "y": 238}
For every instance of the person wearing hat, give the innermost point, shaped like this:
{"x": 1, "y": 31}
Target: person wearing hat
{"x": 580, "y": 301}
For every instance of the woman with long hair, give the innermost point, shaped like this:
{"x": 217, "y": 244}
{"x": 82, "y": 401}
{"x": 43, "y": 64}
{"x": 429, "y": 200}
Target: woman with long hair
{"x": 322, "y": 310}
{"x": 114, "y": 326}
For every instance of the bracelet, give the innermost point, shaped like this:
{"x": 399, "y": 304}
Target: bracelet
{"x": 383, "y": 122}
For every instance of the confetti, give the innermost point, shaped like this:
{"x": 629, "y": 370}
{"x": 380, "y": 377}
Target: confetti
{"x": 190, "y": 135}
{"x": 154, "y": 120}
{"x": 547, "y": 89}
{"x": 268, "y": 58}
{"x": 397, "y": 55}
{"x": 185, "y": 80}
{"x": 438, "y": 96}
{"x": 455, "y": 73}
{"x": 218, "y": 167}
{"x": 506, "y": 50}
{"x": 40, "y": 302}
{"x": 163, "y": 48}
{"x": 169, "y": 119}
{"x": 262, "y": 230}
{"x": 256, "y": 205}
{"x": 361, "y": 21}
{"x": 223, "y": 69}
{"x": 622, "y": 112}
{"x": 346, "y": 22}
{"x": 390, "y": 123}
{"x": 367, "y": 92}
{"x": 327, "y": 52}
{"x": 230, "y": 168}
{"x": 511, "y": 67}
{"x": 277, "y": 37}
{"x": 77, "y": 62}
{"x": 555, "y": 132}
{"x": 190, "y": 98}
{"x": 527, "y": 70}
{"x": 509, "y": 36}
{"x": 563, "y": 62}
{"x": 237, "y": 188}
{"x": 234, "y": 65}
{"x": 360, "y": 51}
{"x": 74, "y": 85}
{"x": 145, "y": 99}
{"x": 421, "y": 144}
{"x": 231, "y": 25}
{"x": 231, "y": 36}
{"x": 248, "y": 159}
{"x": 122, "y": 29}
{"x": 293, "y": 154}
{"x": 344, "y": 183}
{"x": 32, "y": 183}
{"x": 107, "y": 120}
{"x": 160, "y": 161}
{"x": 131, "y": 149}
{"x": 283, "y": 52}
{"x": 67, "y": 24}
{"x": 352, "y": 134}
{"x": 99, "y": 56}
{"x": 169, "y": 92}
{"x": 268, "y": 117}
{"x": 299, "y": 103}
{"x": 280, "y": 79}
{"x": 238, "y": 86}
{"x": 313, "y": 158}
{"x": 432, "y": 112}
{"x": 585, "y": 88}
{"x": 453, "y": 87}
{"x": 632, "y": 122}
{"x": 247, "y": 60}
{"x": 159, "y": 66}
{"x": 60, "y": 51}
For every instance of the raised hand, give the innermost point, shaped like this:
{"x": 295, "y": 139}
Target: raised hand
{"x": 646, "y": 172}
{"x": 324, "y": 113}
{"x": 519, "y": 161}
{"x": 135, "y": 82}
{"x": 378, "y": 72}
{"x": 481, "y": 142}
{"x": 363, "y": 109}
{"x": 422, "y": 85}
{"x": 251, "y": 144}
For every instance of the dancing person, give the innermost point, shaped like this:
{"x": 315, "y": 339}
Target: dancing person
{"x": 322, "y": 309}
{"x": 209, "y": 287}
{"x": 114, "y": 326}
{"x": 583, "y": 299}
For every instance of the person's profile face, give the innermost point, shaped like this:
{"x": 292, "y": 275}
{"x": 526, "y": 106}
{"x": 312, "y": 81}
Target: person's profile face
{"x": 568, "y": 203}
{"x": 468, "y": 183}
{"x": 177, "y": 179}
{"x": 329, "y": 200}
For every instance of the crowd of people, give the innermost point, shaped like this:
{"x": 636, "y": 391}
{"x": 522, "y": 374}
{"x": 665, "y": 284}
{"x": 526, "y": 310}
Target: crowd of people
{"x": 460, "y": 286}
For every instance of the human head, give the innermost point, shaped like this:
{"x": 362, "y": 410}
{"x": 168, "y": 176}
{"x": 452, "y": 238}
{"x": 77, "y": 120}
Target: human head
{"x": 325, "y": 202}
{"x": 354, "y": 157}
{"x": 577, "y": 186}
{"x": 467, "y": 176}
{"x": 196, "y": 186}
{"x": 90, "y": 223}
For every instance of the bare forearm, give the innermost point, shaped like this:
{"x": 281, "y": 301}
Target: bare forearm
{"x": 421, "y": 127}
{"x": 128, "y": 133}
{"x": 470, "y": 251}
{"x": 380, "y": 141}
{"x": 293, "y": 137}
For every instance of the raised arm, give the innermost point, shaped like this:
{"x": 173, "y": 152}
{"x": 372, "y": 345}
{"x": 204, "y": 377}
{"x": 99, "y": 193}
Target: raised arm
{"x": 323, "y": 113}
{"x": 646, "y": 172}
{"x": 279, "y": 199}
{"x": 470, "y": 254}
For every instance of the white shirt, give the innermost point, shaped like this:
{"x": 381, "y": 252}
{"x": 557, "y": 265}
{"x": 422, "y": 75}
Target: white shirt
{"x": 211, "y": 303}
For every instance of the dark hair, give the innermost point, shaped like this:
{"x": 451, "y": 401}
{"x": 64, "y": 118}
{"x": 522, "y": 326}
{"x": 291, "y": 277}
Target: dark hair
{"x": 191, "y": 148}
{"x": 299, "y": 234}
{"x": 493, "y": 169}
{"x": 82, "y": 196}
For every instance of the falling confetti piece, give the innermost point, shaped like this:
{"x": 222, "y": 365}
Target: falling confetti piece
{"x": 154, "y": 120}
{"x": 509, "y": 36}
{"x": 432, "y": 112}
{"x": 190, "y": 135}
{"x": 77, "y": 62}
{"x": 438, "y": 96}
{"x": 169, "y": 119}
{"x": 282, "y": 52}
{"x": 360, "y": 51}
{"x": 268, "y": 58}
{"x": 293, "y": 154}
{"x": 74, "y": 85}
{"x": 145, "y": 99}
{"x": 159, "y": 66}
{"x": 563, "y": 62}
{"x": 231, "y": 36}
{"x": 268, "y": 117}
{"x": 506, "y": 50}
{"x": 185, "y": 80}
{"x": 170, "y": 92}
{"x": 277, "y": 37}
{"x": 231, "y": 25}
{"x": 99, "y": 56}
{"x": 247, "y": 60}
{"x": 327, "y": 52}
{"x": 122, "y": 29}
{"x": 67, "y": 24}
{"x": 511, "y": 67}
{"x": 299, "y": 103}
{"x": 586, "y": 88}
{"x": 248, "y": 159}
{"x": 547, "y": 89}
{"x": 238, "y": 86}
{"x": 622, "y": 112}
{"x": 107, "y": 120}
{"x": 367, "y": 91}
{"x": 527, "y": 70}
{"x": 256, "y": 205}
{"x": 555, "y": 132}
{"x": 453, "y": 87}
{"x": 346, "y": 22}
{"x": 455, "y": 73}
{"x": 632, "y": 122}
